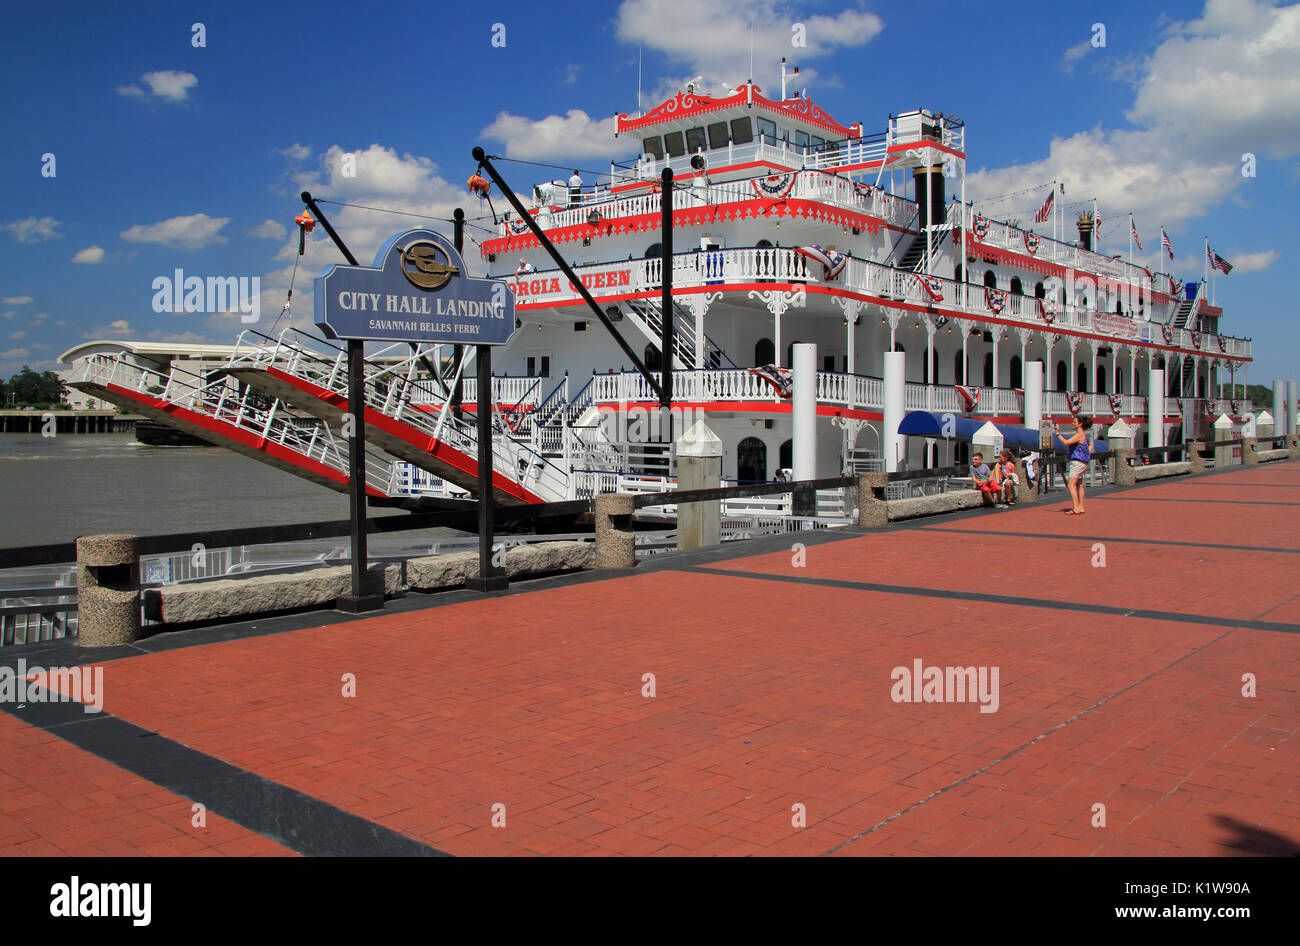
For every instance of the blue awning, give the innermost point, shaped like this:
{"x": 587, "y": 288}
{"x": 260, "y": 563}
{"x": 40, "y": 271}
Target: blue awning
{"x": 927, "y": 424}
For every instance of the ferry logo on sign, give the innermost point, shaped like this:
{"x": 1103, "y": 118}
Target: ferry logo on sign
{"x": 417, "y": 291}
{"x": 420, "y": 265}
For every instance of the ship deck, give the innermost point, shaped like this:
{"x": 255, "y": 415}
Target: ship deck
{"x": 1120, "y": 686}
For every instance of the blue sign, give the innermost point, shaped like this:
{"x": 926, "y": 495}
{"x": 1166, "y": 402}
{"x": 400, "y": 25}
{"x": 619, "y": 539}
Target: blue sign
{"x": 417, "y": 291}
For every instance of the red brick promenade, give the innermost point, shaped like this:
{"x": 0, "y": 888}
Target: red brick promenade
{"x": 772, "y": 678}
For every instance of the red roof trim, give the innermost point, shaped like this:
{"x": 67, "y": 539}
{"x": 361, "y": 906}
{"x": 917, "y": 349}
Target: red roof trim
{"x": 685, "y": 105}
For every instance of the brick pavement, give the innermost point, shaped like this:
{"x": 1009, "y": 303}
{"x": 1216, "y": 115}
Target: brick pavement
{"x": 773, "y": 682}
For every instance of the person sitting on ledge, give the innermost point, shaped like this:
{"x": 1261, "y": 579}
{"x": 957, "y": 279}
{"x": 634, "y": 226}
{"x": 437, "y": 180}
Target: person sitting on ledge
{"x": 982, "y": 477}
{"x": 1004, "y": 474}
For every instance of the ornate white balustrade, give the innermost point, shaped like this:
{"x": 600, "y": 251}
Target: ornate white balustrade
{"x": 748, "y": 265}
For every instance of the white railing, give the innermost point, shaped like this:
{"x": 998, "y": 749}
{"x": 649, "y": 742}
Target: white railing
{"x": 743, "y": 265}
{"x": 811, "y": 184}
{"x": 222, "y": 401}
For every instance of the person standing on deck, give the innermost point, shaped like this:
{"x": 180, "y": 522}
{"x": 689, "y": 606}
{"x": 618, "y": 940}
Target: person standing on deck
{"x": 575, "y": 188}
{"x": 1080, "y": 446}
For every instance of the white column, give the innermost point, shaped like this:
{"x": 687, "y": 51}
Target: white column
{"x": 805, "y": 411}
{"x": 997, "y": 335}
{"x": 1156, "y": 407}
{"x": 1033, "y": 379}
{"x": 891, "y": 440}
{"x": 1292, "y": 395}
{"x": 776, "y": 331}
{"x": 1281, "y": 419}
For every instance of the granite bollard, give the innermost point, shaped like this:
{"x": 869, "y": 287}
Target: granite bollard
{"x": 108, "y": 590}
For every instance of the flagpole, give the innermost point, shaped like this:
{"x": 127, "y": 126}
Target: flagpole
{"x": 1207, "y": 258}
{"x": 1130, "y": 239}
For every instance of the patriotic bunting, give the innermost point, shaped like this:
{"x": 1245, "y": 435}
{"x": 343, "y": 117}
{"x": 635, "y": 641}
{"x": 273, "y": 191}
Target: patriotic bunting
{"x": 970, "y": 397}
{"x": 517, "y": 226}
{"x": 774, "y": 186}
{"x": 932, "y": 285}
{"x": 1074, "y": 401}
{"x": 1223, "y": 343}
{"x": 833, "y": 263}
{"x": 1196, "y": 339}
{"x": 1031, "y": 242}
{"x": 1047, "y": 310}
{"x": 980, "y": 227}
{"x": 995, "y": 299}
{"x": 781, "y": 379}
{"x": 1167, "y": 333}
{"x": 1116, "y": 404}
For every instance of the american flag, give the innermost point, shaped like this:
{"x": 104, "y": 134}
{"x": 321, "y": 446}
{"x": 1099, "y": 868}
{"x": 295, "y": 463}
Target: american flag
{"x": 781, "y": 379}
{"x": 1096, "y": 229}
{"x": 1045, "y": 211}
{"x": 1219, "y": 263}
{"x": 1165, "y": 244}
{"x": 1132, "y": 226}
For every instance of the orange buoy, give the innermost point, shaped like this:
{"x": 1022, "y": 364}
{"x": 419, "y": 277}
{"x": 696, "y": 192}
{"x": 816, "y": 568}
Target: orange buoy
{"x": 478, "y": 185}
{"x": 305, "y": 221}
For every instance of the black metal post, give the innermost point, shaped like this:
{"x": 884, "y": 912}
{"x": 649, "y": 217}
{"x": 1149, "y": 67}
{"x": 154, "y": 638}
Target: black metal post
{"x": 458, "y": 351}
{"x": 667, "y": 320}
{"x": 489, "y": 579}
{"x": 481, "y": 157}
{"x": 359, "y": 600}
{"x": 667, "y": 314}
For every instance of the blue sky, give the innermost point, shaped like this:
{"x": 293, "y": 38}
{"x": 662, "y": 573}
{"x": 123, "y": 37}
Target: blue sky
{"x": 168, "y": 155}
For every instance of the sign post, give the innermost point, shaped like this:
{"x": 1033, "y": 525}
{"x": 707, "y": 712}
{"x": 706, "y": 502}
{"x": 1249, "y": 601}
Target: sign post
{"x": 417, "y": 291}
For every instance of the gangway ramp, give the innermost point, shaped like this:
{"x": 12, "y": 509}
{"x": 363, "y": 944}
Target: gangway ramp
{"x": 426, "y": 435}
{"x": 242, "y": 421}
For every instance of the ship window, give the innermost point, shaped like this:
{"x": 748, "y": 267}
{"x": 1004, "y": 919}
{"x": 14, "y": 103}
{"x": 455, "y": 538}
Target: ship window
{"x": 695, "y": 140}
{"x": 531, "y": 366}
{"x": 764, "y": 352}
{"x": 1081, "y": 377}
{"x": 818, "y": 143}
{"x": 546, "y": 366}
{"x": 742, "y": 133}
{"x": 675, "y": 144}
{"x": 1062, "y": 376}
{"x": 651, "y": 358}
{"x": 801, "y": 139}
{"x": 990, "y": 279}
{"x": 767, "y": 130}
{"x": 718, "y": 135}
{"x": 1017, "y": 287}
{"x": 1040, "y": 290}
{"x": 1017, "y": 381}
{"x": 654, "y": 251}
{"x": 654, "y": 146}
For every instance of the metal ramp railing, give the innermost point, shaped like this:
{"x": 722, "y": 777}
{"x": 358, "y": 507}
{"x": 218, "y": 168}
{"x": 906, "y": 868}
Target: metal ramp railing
{"x": 233, "y": 415}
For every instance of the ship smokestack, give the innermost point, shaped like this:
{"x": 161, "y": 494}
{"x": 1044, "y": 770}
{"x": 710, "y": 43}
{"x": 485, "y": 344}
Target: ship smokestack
{"x": 932, "y": 204}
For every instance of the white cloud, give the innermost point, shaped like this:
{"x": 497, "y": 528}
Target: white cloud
{"x": 1074, "y": 54}
{"x": 91, "y": 254}
{"x": 40, "y": 316}
{"x": 14, "y": 353}
{"x": 573, "y": 136}
{"x": 1232, "y": 76}
{"x": 166, "y": 84}
{"x": 1253, "y": 262}
{"x": 16, "y": 300}
{"x": 115, "y": 328}
{"x": 32, "y": 230}
{"x": 719, "y": 49}
{"x": 1212, "y": 90}
{"x": 7, "y": 315}
{"x": 297, "y": 152}
{"x": 17, "y": 335}
{"x": 191, "y": 232}
{"x": 269, "y": 230}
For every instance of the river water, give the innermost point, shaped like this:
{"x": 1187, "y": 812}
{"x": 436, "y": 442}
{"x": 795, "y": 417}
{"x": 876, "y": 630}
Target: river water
{"x": 54, "y": 489}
